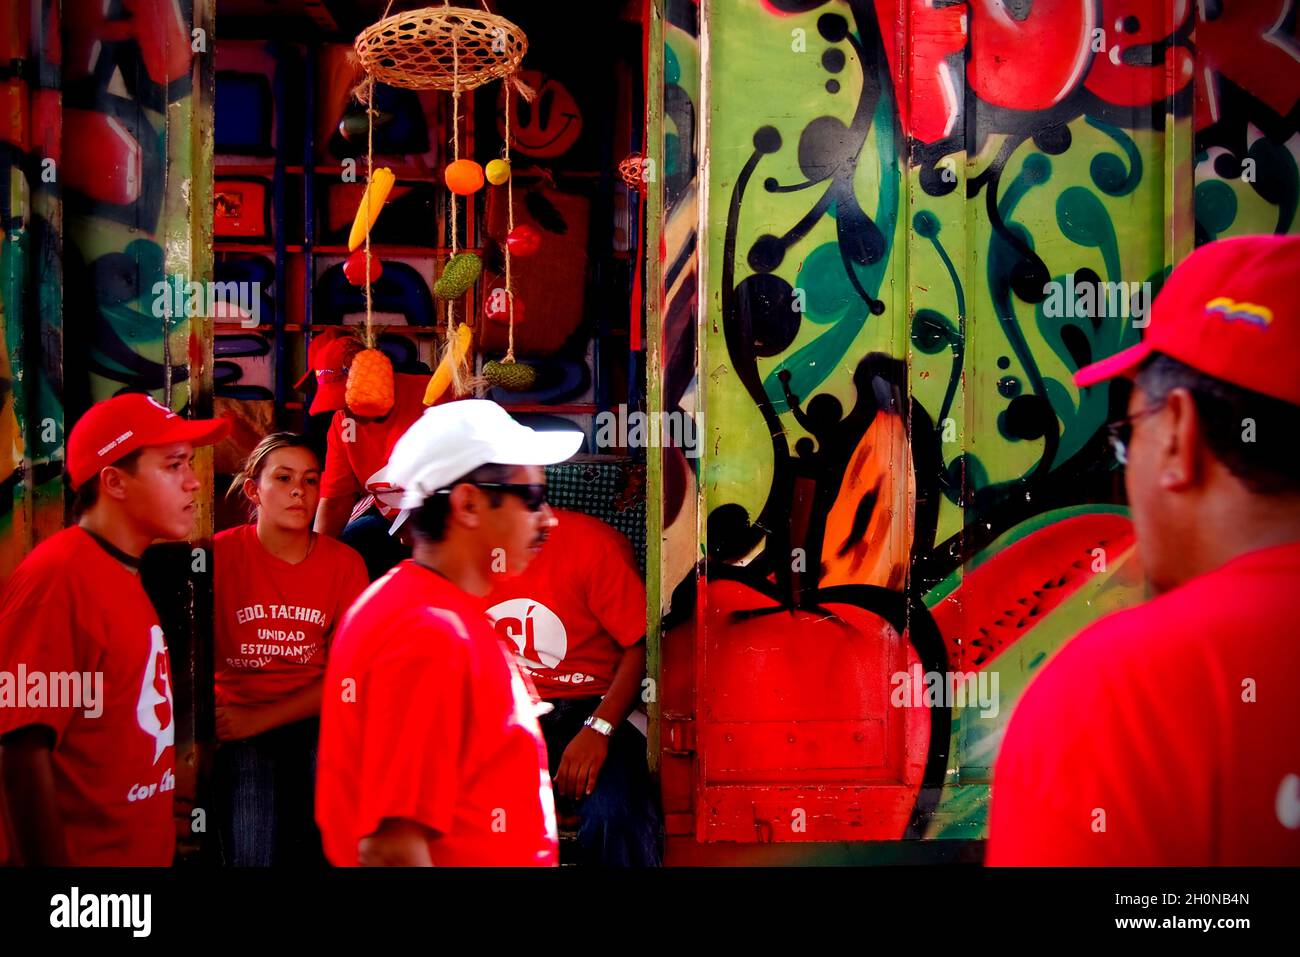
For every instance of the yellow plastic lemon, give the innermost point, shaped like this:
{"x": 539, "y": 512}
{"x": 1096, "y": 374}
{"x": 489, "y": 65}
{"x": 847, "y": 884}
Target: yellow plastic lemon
{"x": 498, "y": 171}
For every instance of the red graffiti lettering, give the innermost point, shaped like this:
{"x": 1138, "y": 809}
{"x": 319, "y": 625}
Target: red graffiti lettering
{"x": 1127, "y": 27}
{"x": 158, "y": 27}
{"x": 1028, "y": 64}
{"x": 1245, "y": 44}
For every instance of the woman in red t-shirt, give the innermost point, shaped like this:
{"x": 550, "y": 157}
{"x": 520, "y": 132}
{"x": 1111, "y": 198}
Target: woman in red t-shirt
{"x": 281, "y": 591}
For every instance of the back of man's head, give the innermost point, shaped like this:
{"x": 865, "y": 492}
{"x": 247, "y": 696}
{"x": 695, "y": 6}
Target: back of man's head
{"x": 1211, "y": 465}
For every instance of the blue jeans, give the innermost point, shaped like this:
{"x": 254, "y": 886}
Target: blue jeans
{"x": 265, "y": 796}
{"x": 621, "y": 822}
{"x": 368, "y": 534}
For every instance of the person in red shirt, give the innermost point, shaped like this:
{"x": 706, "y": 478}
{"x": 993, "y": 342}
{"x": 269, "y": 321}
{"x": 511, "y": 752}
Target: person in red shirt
{"x": 430, "y": 752}
{"x": 281, "y": 589}
{"x": 576, "y": 618}
{"x": 356, "y": 448}
{"x": 1164, "y": 734}
{"x": 87, "y": 769}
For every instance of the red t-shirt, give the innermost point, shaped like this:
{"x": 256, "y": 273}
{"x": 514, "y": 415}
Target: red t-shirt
{"x": 357, "y": 451}
{"x": 1171, "y": 725}
{"x": 574, "y": 609}
{"x": 71, "y": 607}
{"x": 274, "y": 619}
{"x": 424, "y": 717}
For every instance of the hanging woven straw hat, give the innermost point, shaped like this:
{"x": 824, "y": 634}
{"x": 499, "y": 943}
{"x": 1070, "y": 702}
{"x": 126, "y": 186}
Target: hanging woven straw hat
{"x": 441, "y": 48}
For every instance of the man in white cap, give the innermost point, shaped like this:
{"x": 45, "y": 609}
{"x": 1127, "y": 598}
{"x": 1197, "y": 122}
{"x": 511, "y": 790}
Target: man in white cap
{"x": 430, "y": 750}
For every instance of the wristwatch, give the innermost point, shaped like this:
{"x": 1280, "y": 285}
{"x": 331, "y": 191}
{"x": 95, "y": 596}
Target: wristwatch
{"x": 599, "y": 725}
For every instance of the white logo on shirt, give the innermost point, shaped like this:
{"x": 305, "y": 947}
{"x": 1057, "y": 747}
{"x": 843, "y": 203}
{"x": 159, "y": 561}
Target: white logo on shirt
{"x": 539, "y": 636}
{"x": 1288, "y": 802}
{"x": 154, "y": 709}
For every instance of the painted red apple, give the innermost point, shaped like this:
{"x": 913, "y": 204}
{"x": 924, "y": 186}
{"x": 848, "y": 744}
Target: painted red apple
{"x": 796, "y": 736}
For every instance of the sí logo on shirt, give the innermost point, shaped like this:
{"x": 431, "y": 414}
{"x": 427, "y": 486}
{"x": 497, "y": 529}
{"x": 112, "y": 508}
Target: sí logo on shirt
{"x": 537, "y": 633}
{"x": 153, "y": 710}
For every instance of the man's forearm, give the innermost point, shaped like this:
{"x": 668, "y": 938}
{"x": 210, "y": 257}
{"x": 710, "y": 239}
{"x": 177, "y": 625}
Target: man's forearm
{"x": 397, "y": 843}
{"x": 332, "y": 515}
{"x": 623, "y": 690}
{"x": 27, "y": 783}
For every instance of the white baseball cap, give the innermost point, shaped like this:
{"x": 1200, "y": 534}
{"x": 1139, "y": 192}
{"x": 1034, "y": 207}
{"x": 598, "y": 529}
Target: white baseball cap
{"x": 451, "y": 440}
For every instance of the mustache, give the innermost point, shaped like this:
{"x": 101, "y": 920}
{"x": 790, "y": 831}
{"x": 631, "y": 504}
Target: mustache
{"x": 541, "y": 539}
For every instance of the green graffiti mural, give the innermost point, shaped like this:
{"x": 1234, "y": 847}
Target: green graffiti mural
{"x": 921, "y": 221}
{"x": 102, "y": 158}
{"x": 31, "y": 413}
{"x": 127, "y": 187}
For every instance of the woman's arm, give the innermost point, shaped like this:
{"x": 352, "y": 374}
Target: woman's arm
{"x": 235, "y": 722}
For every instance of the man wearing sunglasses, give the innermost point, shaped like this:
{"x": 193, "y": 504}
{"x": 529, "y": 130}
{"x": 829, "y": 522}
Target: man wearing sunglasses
{"x": 430, "y": 750}
{"x": 1164, "y": 734}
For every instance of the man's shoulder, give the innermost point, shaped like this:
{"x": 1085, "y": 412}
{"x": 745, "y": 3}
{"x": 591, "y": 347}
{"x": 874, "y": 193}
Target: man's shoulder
{"x": 588, "y": 528}
{"x": 56, "y": 563}
{"x": 406, "y": 613}
{"x": 66, "y": 571}
{"x": 1132, "y": 660}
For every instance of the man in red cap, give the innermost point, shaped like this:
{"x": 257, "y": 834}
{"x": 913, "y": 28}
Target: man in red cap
{"x": 1165, "y": 734}
{"x": 356, "y": 448}
{"x": 86, "y": 725}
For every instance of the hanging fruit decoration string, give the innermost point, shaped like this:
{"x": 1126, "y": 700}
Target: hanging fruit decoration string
{"x": 463, "y": 177}
{"x": 455, "y": 49}
{"x": 509, "y": 374}
{"x": 370, "y": 388}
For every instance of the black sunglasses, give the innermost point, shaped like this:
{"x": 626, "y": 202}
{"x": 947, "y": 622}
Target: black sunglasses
{"x": 1120, "y": 432}
{"x": 533, "y": 495}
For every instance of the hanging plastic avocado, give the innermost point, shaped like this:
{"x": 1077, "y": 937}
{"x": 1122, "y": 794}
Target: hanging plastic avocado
{"x": 460, "y": 273}
{"x": 514, "y": 376}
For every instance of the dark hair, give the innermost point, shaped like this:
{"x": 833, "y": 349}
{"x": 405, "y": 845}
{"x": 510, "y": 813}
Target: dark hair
{"x": 1266, "y": 463}
{"x": 84, "y": 498}
{"x": 430, "y": 519}
{"x": 256, "y": 461}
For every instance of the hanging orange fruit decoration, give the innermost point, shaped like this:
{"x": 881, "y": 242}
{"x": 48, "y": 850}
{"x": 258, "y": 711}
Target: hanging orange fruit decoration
{"x": 464, "y": 177}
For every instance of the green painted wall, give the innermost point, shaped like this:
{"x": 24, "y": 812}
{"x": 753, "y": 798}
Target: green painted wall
{"x": 901, "y": 205}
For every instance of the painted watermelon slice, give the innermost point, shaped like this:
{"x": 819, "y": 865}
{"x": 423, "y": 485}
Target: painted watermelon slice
{"x": 1000, "y": 599}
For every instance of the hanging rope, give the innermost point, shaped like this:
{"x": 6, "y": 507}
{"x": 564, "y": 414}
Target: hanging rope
{"x": 510, "y": 225}
{"x": 370, "y": 174}
{"x": 456, "y": 377}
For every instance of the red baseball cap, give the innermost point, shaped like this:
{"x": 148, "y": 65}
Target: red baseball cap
{"x": 116, "y": 427}
{"x": 328, "y": 357}
{"x": 1228, "y": 310}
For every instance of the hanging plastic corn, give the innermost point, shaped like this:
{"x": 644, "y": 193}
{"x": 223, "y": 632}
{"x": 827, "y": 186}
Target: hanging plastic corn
{"x": 454, "y": 356}
{"x": 372, "y": 203}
